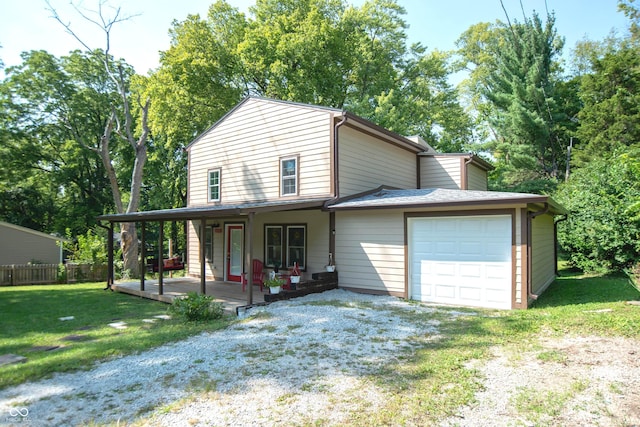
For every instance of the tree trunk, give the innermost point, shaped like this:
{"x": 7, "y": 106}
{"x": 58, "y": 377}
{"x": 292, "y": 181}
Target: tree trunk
{"x": 129, "y": 246}
{"x": 116, "y": 71}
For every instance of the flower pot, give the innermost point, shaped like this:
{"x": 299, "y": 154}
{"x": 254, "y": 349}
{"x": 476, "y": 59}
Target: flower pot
{"x": 295, "y": 279}
{"x": 274, "y": 289}
{"x": 331, "y": 268}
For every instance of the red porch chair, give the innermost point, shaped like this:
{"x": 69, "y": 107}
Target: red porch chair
{"x": 257, "y": 275}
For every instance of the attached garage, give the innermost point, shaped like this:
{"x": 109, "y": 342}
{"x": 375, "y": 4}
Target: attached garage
{"x": 461, "y": 260}
{"x": 468, "y": 248}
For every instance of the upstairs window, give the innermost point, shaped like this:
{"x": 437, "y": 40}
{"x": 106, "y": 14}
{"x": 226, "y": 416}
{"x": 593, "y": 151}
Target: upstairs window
{"x": 289, "y": 176}
{"x": 214, "y": 185}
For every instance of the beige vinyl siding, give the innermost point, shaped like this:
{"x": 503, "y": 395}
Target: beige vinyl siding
{"x": 247, "y": 147}
{"x": 440, "y": 172}
{"x": 214, "y": 269}
{"x": 370, "y": 250}
{"x": 317, "y": 240}
{"x": 366, "y": 162}
{"x": 476, "y": 178}
{"x": 22, "y": 247}
{"x": 543, "y": 261}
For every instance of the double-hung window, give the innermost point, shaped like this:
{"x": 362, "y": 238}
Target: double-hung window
{"x": 214, "y": 185}
{"x": 285, "y": 245}
{"x": 208, "y": 243}
{"x": 289, "y": 176}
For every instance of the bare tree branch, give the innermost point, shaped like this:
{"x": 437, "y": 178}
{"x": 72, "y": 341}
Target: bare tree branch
{"x": 116, "y": 127}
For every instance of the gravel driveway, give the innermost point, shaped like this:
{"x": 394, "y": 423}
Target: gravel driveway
{"x": 307, "y": 362}
{"x": 306, "y": 357}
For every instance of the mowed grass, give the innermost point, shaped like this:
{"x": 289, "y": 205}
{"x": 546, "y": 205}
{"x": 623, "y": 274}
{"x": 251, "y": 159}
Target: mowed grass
{"x": 30, "y": 326}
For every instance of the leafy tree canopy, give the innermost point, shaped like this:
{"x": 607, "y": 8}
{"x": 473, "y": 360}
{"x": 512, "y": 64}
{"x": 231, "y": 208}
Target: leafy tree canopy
{"x": 314, "y": 51}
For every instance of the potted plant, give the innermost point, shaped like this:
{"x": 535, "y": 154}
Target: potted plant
{"x": 294, "y": 276}
{"x": 330, "y": 267}
{"x": 274, "y": 284}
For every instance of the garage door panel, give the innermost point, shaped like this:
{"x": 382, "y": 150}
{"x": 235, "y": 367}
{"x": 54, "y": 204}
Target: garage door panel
{"x": 470, "y": 250}
{"x": 445, "y": 249}
{"x": 470, "y": 270}
{"x": 496, "y": 296}
{"x": 461, "y": 260}
{"x": 445, "y": 292}
{"x": 470, "y": 295}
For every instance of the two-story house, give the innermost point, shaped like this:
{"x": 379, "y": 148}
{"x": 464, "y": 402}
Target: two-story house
{"x": 289, "y": 183}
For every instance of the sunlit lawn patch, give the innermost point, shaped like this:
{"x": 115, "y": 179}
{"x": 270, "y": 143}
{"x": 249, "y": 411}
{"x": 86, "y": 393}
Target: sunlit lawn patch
{"x": 100, "y": 324}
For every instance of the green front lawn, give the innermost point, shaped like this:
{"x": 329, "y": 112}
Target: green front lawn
{"x": 30, "y": 326}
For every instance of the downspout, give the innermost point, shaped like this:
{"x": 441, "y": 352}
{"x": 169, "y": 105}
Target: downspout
{"x": 465, "y": 176}
{"x": 336, "y": 169}
{"x": 555, "y": 239}
{"x": 336, "y": 191}
{"x": 530, "y": 217}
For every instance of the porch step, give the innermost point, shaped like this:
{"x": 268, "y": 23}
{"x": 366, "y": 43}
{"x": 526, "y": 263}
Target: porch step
{"x": 321, "y": 282}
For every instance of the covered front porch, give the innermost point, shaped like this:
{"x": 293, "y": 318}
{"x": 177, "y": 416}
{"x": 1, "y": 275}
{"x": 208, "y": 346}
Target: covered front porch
{"x": 230, "y": 294}
{"x": 234, "y": 251}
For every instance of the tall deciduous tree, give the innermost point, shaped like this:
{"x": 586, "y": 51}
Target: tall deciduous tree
{"x": 314, "y": 51}
{"x": 120, "y": 125}
{"x": 49, "y": 181}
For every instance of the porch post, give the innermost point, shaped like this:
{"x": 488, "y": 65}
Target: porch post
{"x": 332, "y": 235}
{"x": 110, "y": 256}
{"x": 203, "y": 261}
{"x": 160, "y": 259}
{"x": 143, "y": 255}
{"x": 249, "y": 257}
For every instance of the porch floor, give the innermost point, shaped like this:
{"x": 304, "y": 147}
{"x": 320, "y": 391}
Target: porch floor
{"x": 229, "y": 293}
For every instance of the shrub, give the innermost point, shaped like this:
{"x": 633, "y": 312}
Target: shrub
{"x": 90, "y": 248}
{"x": 196, "y": 307}
{"x": 601, "y": 232}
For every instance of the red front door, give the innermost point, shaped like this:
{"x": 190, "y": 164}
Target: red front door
{"x": 235, "y": 252}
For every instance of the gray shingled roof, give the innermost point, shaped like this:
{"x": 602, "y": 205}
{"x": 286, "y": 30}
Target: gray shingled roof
{"x": 392, "y": 198}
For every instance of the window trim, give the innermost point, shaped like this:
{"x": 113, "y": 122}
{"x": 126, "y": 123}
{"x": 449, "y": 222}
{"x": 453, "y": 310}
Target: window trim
{"x": 209, "y": 232}
{"x": 303, "y": 264}
{"x": 267, "y": 258}
{"x": 284, "y": 245}
{"x": 209, "y": 186}
{"x": 295, "y": 176}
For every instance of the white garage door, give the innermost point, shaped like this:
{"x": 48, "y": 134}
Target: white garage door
{"x": 461, "y": 260}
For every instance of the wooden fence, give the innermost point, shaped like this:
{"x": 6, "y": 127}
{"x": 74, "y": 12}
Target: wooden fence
{"x": 38, "y": 274}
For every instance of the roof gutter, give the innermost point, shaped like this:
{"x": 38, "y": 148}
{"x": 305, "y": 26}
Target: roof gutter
{"x": 542, "y": 211}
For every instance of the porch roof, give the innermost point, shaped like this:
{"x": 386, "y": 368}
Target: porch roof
{"x": 386, "y": 198}
{"x": 215, "y": 211}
